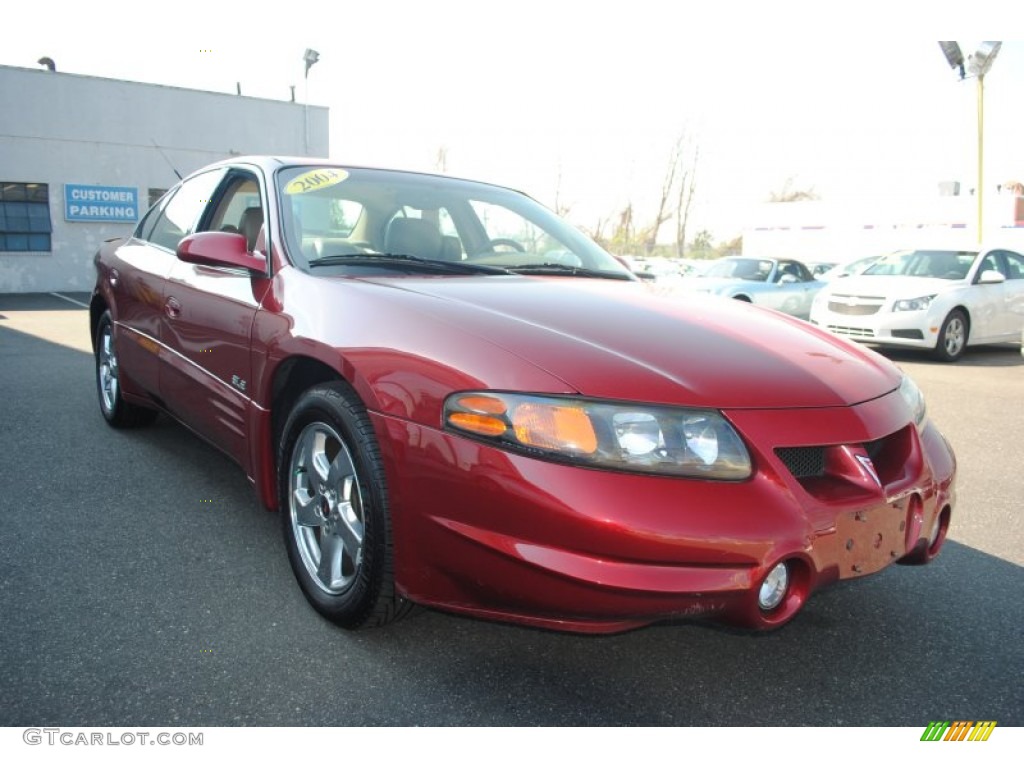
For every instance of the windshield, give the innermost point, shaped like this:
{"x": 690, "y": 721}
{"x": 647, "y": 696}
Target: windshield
{"x": 330, "y": 212}
{"x": 950, "y": 265}
{"x": 742, "y": 269}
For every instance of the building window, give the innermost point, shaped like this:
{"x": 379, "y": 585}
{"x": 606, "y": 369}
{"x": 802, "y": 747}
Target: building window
{"x": 24, "y": 217}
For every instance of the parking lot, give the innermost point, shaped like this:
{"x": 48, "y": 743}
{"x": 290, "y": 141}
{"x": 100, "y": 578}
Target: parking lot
{"x": 141, "y": 583}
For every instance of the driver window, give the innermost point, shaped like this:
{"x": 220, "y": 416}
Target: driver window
{"x": 1014, "y": 265}
{"x": 989, "y": 262}
{"x": 789, "y": 268}
{"x": 182, "y": 211}
{"x": 240, "y": 209}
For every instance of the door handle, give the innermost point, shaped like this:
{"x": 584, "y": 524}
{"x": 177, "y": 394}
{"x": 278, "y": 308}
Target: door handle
{"x": 114, "y": 277}
{"x": 172, "y": 307}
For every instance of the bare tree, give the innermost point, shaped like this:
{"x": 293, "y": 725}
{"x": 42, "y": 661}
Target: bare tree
{"x": 596, "y": 232}
{"x": 668, "y": 183}
{"x": 623, "y": 238}
{"x": 790, "y": 193}
{"x": 621, "y": 233}
{"x": 684, "y": 199}
{"x": 702, "y": 242}
{"x": 678, "y": 187}
{"x": 561, "y": 207}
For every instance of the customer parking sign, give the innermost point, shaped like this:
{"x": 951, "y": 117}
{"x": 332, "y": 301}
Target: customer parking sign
{"x": 84, "y": 202}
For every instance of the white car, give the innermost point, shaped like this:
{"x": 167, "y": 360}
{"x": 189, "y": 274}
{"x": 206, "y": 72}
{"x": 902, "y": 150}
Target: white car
{"x": 942, "y": 300}
{"x": 848, "y": 268}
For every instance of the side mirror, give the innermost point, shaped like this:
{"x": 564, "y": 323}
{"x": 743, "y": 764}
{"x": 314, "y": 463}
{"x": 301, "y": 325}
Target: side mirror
{"x": 220, "y": 249}
{"x": 991, "y": 276}
{"x": 787, "y": 279}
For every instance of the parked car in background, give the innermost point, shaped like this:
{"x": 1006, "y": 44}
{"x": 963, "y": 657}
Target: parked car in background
{"x": 656, "y": 269}
{"x": 454, "y": 398}
{"x": 783, "y": 284}
{"x": 819, "y": 268}
{"x": 943, "y": 300}
{"x": 850, "y": 267}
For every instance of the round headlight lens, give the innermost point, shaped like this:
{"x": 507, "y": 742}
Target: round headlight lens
{"x": 638, "y": 433}
{"x": 773, "y": 588}
{"x": 701, "y": 438}
{"x": 914, "y": 398}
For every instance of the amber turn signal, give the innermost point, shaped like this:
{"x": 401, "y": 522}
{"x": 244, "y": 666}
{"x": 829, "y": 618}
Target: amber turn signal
{"x": 554, "y": 427}
{"x": 481, "y": 424}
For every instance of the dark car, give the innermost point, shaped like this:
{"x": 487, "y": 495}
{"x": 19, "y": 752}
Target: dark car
{"x": 454, "y": 398}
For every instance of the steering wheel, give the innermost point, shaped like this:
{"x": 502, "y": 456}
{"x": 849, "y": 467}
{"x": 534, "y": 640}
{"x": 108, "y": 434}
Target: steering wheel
{"x": 515, "y": 246}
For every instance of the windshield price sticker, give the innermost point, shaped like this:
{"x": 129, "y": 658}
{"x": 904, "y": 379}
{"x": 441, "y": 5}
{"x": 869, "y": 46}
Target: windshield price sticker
{"x": 316, "y": 179}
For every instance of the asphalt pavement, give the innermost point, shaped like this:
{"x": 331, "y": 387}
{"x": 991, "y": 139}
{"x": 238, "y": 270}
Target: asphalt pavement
{"x": 142, "y": 584}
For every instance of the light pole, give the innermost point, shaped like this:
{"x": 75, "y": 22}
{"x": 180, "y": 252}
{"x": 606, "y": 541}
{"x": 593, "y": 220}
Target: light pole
{"x": 978, "y": 65}
{"x": 311, "y": 57}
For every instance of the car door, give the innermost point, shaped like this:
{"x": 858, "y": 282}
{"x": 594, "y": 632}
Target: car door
{"x": 207, "y": 326}
{"x": 1003, "y": 302}
{"x": 138, "y": 273}
{"x": 1014, "y": 293}
{"x": 795, "y": 288}
{"x": 987, "y": 302}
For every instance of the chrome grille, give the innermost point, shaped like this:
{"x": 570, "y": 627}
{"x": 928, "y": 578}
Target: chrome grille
{"x": 853, "y": 309}
{"x": 843, "y": 304}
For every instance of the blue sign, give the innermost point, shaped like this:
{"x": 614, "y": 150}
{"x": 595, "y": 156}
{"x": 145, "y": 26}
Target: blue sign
{"x": 83, "y": 202}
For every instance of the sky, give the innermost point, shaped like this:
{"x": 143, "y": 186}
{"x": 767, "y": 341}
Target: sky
{"x": 580, "y": 103}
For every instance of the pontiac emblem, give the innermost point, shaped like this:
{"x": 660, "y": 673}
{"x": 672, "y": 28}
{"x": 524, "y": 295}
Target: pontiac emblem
{"x": 869, "y": 467}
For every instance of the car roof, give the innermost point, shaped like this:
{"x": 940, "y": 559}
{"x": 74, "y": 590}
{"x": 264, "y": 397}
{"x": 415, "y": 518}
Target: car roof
{"x": 271, "y": 163}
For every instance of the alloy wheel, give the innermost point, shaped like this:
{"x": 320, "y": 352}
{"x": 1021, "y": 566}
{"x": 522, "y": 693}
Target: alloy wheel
{"x": 955, "y": 336}
{"x": 326, "y": 508}
{"x": 106, "y": 370}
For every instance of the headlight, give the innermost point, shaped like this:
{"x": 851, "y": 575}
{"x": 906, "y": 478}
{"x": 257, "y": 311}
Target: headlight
{"x": 630, "y": 438}
{"x": 914, "y": 399}
{"x": 913, "y": 305}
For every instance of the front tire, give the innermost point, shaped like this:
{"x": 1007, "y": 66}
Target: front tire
{"x": 334, "y": 504}
{"x": 115, "y": 410}
{"x": 952, "y": 340}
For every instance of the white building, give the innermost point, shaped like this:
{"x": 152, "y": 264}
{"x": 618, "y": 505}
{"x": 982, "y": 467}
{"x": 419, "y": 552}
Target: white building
{"x": 82, "y": 158}
{"x": 840, "y": 230}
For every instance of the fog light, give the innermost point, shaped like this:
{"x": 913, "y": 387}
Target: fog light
{"x": 773, "y": 588}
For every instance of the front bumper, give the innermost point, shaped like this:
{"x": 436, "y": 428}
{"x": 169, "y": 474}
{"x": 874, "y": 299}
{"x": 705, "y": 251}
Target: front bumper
{"x": 901, "y": 329}
{"x": 497, "y": 535}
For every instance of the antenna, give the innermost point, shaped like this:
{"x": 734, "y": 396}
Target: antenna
{"x": 164, "y": 156}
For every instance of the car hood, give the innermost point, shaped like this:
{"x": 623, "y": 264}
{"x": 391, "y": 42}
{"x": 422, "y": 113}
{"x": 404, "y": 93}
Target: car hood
{"x": 891, "y": 286}
{"x": 629, "y": 341}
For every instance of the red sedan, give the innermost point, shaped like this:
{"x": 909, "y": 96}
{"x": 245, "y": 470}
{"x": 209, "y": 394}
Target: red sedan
{"x": 453, "y": 398}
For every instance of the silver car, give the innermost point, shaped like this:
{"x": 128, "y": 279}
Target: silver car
{"x": 783, "y": 284}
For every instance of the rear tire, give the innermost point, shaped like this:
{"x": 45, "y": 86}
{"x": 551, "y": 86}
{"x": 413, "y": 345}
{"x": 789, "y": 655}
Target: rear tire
{"x": 115, "y": 410}
{"x": 334, "y": 506}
